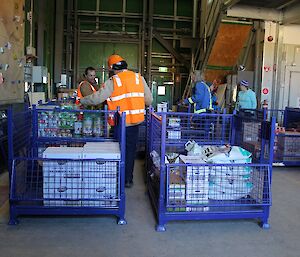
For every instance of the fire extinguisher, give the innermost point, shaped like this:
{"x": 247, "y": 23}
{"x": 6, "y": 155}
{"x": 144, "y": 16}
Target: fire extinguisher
{"x": 265, "y": 104}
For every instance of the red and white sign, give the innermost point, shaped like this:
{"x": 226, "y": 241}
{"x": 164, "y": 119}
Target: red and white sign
{"x": 265, "y": 91}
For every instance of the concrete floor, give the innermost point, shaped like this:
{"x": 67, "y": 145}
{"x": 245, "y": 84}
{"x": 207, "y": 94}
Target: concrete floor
{"x": 101, "y": 236}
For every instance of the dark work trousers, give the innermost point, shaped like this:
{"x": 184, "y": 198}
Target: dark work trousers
{"x": 132, "y": 135}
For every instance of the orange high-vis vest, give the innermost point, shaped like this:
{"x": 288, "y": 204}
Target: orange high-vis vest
{"x": 79, "y": 94}
{"x": 128, "y": 94}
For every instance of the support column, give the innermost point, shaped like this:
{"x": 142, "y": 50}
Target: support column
{"x": 268, "y": 65}
{"x": 59, "y": 36}
{"x": 40, "y": 32}
{"x": 150, "y": 35}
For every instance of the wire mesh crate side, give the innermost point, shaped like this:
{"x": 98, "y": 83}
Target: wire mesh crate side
{"x": 19, "y": 133}
{"x": 287, "y": 148}
{"x": 3, "y": 138}
{"x": 277, "y": 113}
{"x": 203, "y": 128}
{"x": 291, "y": 117}
{"x": 213, "y": 188}
{"x": 141, "y": 144}
{"x": 256, "y": 136}
{"x": 56, "y": 183}
{"x": 155, "y": 134}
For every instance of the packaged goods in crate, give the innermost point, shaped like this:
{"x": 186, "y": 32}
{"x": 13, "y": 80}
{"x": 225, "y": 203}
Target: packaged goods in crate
{"x": 87, "y": 127}
{"x": 62, "y": 178}
{"x": 97, "y": 129}
{"x": 174, "y": 122}
{"x": 197, "y": 183}
{"x": 176, "y": 192}
{"x": 224, "y": 186}
{"x": 174, "y": 134}
{"x": 176, "y": 186}
{"x": 229, "y": 190}
{"x": 226, "y": 154}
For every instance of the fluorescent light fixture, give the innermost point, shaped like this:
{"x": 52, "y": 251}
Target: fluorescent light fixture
{"x": 163, "y": 69}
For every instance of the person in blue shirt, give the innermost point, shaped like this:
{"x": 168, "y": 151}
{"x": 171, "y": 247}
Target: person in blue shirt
{"x": 201, "y": 96}
{"x": 246, "y": 97}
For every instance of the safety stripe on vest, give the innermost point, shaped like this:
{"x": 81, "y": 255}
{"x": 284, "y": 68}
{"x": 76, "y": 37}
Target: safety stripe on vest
{"x": 200, "y": 111}
{"x": 137, "y": 78}
{"x": 120, "y": 97}
{"x": 118, "y": 80}
{"x": 138, "y": 111}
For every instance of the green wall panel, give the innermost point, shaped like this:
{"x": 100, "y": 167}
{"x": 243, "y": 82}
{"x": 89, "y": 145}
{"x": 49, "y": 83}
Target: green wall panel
{"x": 89, "y": 5}
{"x": 96, "y": 54}
{"x": 134, "y": 6}
{"x": 157, "y": 47}
{"x": 111, "y": 6}
{"x": 110, "y": 24}
{"x": 163, "y": 24}
{"x": 164, "y": 7}
{"x": 185, "y": 8}
{"x": 88, "y": 23}
{"x": 185, "y": 25}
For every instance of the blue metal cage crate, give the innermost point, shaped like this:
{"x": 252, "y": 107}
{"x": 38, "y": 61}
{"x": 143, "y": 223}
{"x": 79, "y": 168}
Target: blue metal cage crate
{"x": 287, "y": 135}
{"x": 62, "y": 186}
{"x": 201, "y": 191}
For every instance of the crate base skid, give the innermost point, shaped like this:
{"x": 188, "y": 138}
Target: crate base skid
{"x": 161, "y": 227}
{"x": 18, "y": 211}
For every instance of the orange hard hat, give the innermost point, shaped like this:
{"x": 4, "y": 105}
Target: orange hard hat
{"x": 114, "y": 59}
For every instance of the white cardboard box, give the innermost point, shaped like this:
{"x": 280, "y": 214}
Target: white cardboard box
{"x": 62, "y": 179}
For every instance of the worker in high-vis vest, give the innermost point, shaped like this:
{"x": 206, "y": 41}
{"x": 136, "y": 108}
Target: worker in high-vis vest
{"x": 128, "y": 91}
{"x": 201, "y": 95}
{"x": 89, "y": 84}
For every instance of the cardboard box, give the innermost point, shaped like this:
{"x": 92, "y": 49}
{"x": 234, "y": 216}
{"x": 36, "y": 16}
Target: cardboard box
{"x": 174, "y": 134}
{"x": 176, "y": 187}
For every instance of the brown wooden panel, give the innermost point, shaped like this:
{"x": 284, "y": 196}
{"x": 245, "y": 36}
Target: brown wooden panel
{"x": 211, "y": 75}
{"x": 12, "y": 43}
{"x": 228, "y": 45}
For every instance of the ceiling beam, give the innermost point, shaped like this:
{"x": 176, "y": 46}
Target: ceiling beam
{"x": 288, "y": 3}
{"x": 258, "y": 13}
{"x": 230, "y": 3}
{"x": 291, "y": 15}
{"x": 170, "y": 48}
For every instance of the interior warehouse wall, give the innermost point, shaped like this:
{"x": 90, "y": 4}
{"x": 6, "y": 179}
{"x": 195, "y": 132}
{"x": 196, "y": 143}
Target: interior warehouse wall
{"x": 172, "y": 21}
{"x": 95, "y": 55}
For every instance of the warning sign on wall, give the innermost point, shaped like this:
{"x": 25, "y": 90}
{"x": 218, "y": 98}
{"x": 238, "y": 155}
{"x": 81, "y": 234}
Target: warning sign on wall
{"x": 265, "y": 91}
